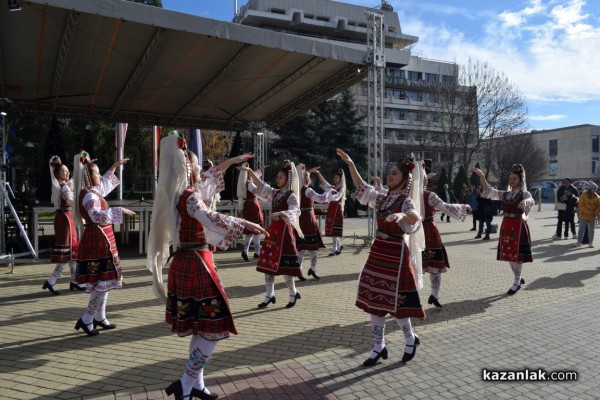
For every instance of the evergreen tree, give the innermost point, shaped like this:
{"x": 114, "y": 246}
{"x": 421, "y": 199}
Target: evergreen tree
{"x": 313, "y": 137}
{"x": 443, "y": 179}
{"x": 460, "y": 182}
{"x": 231, "y": 174}
{"x": 54, "y": 146}
{"x": 475, "y": 181}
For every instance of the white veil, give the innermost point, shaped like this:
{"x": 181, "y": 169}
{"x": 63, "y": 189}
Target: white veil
{"x": 242, "y": 187}
{"x": 55, "y": 198}
{"x": 172, "y": 181}
{"x": 416, "y": 241}
{"x": 294, "y": 185}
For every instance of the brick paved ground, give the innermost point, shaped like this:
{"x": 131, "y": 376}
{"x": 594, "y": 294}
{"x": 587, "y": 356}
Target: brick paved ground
{"x": 316, "y": 350}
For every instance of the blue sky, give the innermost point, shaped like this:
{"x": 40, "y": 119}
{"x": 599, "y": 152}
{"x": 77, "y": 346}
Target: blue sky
{"x": 550, "y": 49}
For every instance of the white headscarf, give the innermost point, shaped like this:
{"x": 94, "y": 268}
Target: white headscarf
{"x": 416, "y": 241}
{"x": 55, "y": 198}
{"x": 172, "y": 181}
{"x": 294, "y": 186}
{"x": 81, "y": 180}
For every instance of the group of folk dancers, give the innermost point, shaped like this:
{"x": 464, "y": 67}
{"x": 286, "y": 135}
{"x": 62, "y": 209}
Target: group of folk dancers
{"x": 185, "y": 230}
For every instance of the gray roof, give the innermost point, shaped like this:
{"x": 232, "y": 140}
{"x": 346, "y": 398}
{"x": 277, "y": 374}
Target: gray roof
{"x": 124, "y": 61}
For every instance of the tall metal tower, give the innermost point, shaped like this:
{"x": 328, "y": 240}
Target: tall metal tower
{"x": 375, "y": 93}
{"x": 260, "y": 151}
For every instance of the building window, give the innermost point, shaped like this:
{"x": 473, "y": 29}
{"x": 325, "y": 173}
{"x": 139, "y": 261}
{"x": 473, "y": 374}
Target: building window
{"x": 395, "y": 72}
{"x": 596, "y": 165}
{"x": 416, "y": 115}
{"x": 595, "y": 144}
{"x": 414, "y": 76}
{"x": 553, "y": 148}
{"x": 447, "y": 78}
{"x": 416, "y": 96}
{"x": 399, "y": 94}
{"x": 433, "y": 98}
{"x": 431, "y": 77}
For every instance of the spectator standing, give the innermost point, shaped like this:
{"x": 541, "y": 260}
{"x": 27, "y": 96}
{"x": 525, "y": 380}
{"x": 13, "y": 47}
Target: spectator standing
{"x": 447, "y": 196}
{"x": 589, "y": 212}
{"x": 567, "y": 196}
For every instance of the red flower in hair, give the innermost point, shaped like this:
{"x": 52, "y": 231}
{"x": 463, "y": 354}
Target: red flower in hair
{"x": 84, "y": 157}
{"x": 181, "y": 143}
{"x": 411, "y": 165}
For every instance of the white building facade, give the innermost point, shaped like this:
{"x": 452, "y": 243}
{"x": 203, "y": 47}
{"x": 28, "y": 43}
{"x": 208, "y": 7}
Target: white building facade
{"x": 410, "y": 119}
{"x": 572, "y": 151}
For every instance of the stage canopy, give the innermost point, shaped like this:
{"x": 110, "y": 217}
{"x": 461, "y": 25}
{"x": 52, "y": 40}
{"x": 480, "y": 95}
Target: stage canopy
{"x": 122, "y": 61}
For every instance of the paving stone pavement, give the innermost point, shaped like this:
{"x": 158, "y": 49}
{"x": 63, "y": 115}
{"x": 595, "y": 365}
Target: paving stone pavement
{"x": 316, "y": 349}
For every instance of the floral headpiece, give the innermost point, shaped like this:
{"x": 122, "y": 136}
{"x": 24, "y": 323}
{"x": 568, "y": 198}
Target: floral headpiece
{"x": 84, "y": 158}
{"x": 54, "y": 161}
{"x": 517, "y": 169}
{"x": 408, "y": 163}
{"x": 181, "y": 142}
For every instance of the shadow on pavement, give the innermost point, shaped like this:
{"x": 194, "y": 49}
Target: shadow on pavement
{"x": 569, "y": 279}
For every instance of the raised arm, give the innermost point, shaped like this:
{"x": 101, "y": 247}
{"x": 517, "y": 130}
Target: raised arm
{"x": 482, "y": 180}
{"x": 235, "y": 160}
{"x": 356, "y": 178}
{"x": 257, "y": 181}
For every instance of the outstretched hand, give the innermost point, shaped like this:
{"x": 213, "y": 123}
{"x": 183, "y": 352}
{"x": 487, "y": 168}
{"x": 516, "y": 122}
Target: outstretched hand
{"x": 343, "y": 155}
{"x": 477, "y": 171}
{"x": 313, "y": 170}
{"x": 243, "y": 158}
{"x": 243, "y": 168}
{"x": 255, "y": 228}
{"x": 395, "y": 217}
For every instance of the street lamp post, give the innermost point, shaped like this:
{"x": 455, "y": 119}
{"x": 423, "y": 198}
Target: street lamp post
{"x": 2, "y": 221}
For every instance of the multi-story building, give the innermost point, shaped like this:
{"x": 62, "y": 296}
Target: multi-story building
{"x": 410, "y": 116}
{"x": 572, "y": 151}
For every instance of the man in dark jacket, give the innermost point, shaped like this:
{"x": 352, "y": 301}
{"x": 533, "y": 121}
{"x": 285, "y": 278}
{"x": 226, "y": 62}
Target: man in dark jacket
{"x": 567, "y": 197}
{"x": 447, "y": 196}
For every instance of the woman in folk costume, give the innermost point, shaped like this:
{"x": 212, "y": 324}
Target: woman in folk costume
{"x": 334, "y": 222}
{"x": 196, "y": 303}
{"x": 64, "y": 251}
{"x": 98, "y": 263}
{"x": 207, "y": 186}
{"x": 435, "y": 258}
{"x": 308, "y": 220}
{"x": 514, "y": 243}
{"x": 279, "y": 255}
{"x": 249, "y": 205}
{"x": 391, "y": 277}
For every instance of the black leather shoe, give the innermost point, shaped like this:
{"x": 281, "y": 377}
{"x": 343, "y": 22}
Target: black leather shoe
{"x": 337, "y": 253}
{"x": 176, "y": 390}
{"x": 511, "y": 291}
{"x": 333, "y": 253}
{"x": 369, "y": 362}
{"x": 74, "y": 286}
{"x": 102, "y": 325}
{"x": 255, "y": 256}
{"x": 408, "y": 356}
{"x": 245, "y": 256}
{"x": 81, "y": 325}
{"x": 313, "y": 274}
{"x": 48, "y": 286}
{"x": 478, "y": 236}
{"x": 293, "y": 303}
{"x": 472, "y": 229}
{"x": 434, "y": 301}
{"x": 200, "y": 394}
{"x": 302, "y": 278}
{"x": 263, "y": 304}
